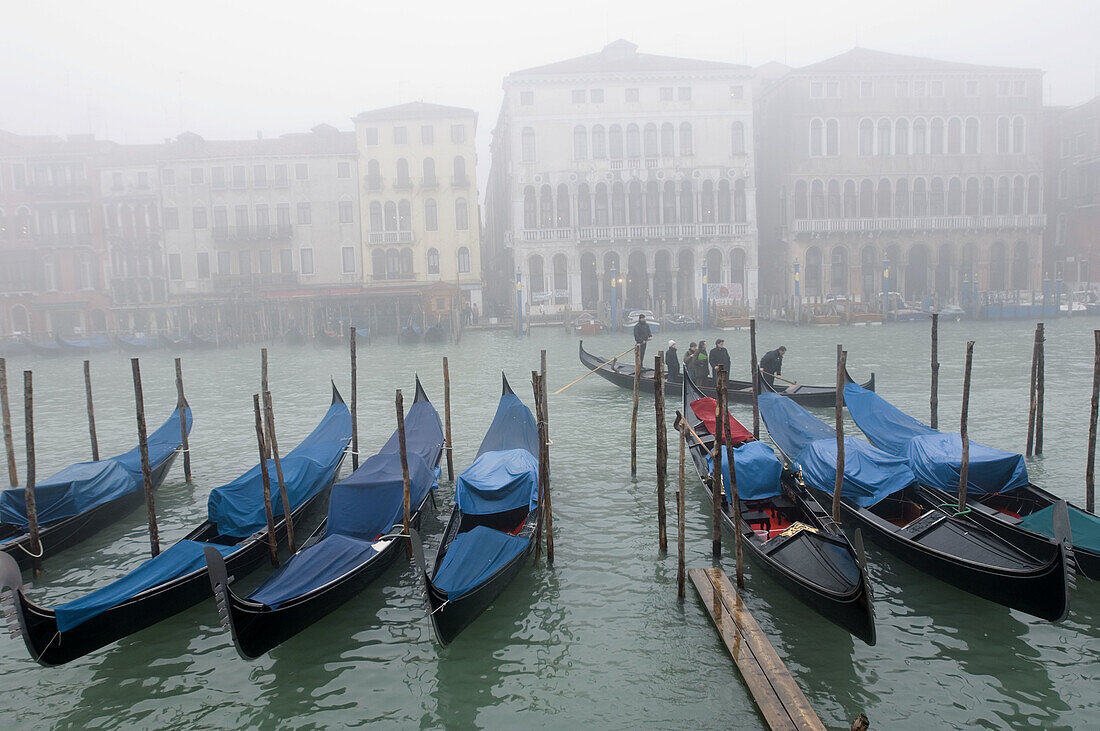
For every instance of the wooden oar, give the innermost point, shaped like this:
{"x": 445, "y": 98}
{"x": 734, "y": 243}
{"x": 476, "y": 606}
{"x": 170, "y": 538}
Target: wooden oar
{"x": 681, "y": 420}
{"x": 601, "y": 365}
{"x": 781, "y": 378}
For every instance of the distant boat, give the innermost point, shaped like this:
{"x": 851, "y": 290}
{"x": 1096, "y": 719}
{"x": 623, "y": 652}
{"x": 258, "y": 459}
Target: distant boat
{"x": 135, "y": 343}
{"x": 84, "y": 345}
{"x": 435, "y": 334}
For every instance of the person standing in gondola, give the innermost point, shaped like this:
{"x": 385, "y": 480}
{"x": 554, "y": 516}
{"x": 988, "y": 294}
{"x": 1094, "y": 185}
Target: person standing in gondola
{"x": 672, "y": 361}
{"x": 771, "y": 365}
{"x": 642, "y": 335}
{"x": 688, "y": 366}
{"x": 701, "y": 363}
{"x": 719, "y": 356}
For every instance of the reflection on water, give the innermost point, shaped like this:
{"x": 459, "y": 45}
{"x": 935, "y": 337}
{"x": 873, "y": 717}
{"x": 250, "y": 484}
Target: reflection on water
{"x": 598, "y": 639}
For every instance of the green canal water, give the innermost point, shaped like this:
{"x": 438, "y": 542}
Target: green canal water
{"x": 599, "y": 639}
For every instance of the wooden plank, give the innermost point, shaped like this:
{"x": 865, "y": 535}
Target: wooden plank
{"x": 775, "y": 692}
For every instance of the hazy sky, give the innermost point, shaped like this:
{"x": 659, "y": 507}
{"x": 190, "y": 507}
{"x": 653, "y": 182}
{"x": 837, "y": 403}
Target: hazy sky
{"x": 140, "y": 71}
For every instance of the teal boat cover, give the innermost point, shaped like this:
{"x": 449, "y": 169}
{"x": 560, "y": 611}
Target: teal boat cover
{"x": 1084, "y": 526}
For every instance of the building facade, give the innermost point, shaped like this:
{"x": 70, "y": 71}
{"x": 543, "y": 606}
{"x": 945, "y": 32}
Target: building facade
{"x": 925, "y": 172}
{"x": 626, "y": 168}
{"x": 419, "y": 197}
{"x": 52, "y": 246}
{"x": 1073, "y": 195}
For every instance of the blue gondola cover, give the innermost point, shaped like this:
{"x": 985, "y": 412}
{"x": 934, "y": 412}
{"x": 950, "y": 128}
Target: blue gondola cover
{"x": 758, "y": 472}
{"x": 85, "y": 485}
{"x": 372, "y": 499}
{"x": 312, "y": 567}
{"x": 497, "y": 482}
{"x": 473, "y": 557}
{"x": 935, "y": 457}
{"x": 869, "y": 473}
{"x": 513, "y": 427}
{"x": 179, "y": 560}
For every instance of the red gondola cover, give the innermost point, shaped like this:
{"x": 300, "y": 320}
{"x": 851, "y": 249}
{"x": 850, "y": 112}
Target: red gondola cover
{"x": 706, "y": 409}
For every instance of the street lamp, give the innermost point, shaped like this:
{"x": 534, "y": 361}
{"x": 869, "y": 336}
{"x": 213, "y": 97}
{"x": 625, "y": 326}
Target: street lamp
{"x": 519, "y": 302}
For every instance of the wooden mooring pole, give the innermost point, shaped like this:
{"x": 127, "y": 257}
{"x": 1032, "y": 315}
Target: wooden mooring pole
{"x": 964, "y": 468}
{"x": 181, "y": 404}
{"x": 841, "y": 364}
{"x": 545, "y": 461}
{"x": 755, "y": 380}
{"x": 735, "y": 498}
{"x": 716, "y": 458}
{"x": 1040, "y": 389}
{"x": 28, "y": 492}
{"x": 354, "y": 404}
{"x": 681, "y": 573}
{"x": 536, "y": 390}
{"x": 634, "y": 412}
{"x": 143, "y": 447}
{"x": 407, "y": 515}
{"x": 5, "y": 413}
{"x": 662, "y": 448}
{"x": 273, "y": 450}
{"x": 263, "y": 390}
{"x": 934, "y": 401}
{"x": 1031, "y": 391}
{"x": 447, "y": 419}
{"x": 91, "y": 409}
{"x": 265, "y": 477}
{"x": 1090, "y": 463}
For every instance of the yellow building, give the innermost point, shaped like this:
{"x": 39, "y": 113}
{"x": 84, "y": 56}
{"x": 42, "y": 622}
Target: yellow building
{"x": 418, "y": 197}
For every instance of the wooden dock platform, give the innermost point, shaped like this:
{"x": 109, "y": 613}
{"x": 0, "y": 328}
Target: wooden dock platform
{"x": 778, "y": 697}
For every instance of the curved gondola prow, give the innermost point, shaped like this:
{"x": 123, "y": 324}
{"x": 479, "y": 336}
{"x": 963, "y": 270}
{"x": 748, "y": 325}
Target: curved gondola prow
{"x": 421, "y": 394}
{"x": 219, "y": 583}
{"x": 421, "y": 564}
{"x": 505, "y": 388}
{"x": 691, "y": 393}
{"x": 336, "y": 397}
{"x": 11, "y": 588}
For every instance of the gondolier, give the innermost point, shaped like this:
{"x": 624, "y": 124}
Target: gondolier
{"x": 642, "y": 335}
{"x": 771, "y": 365}
{"x": 719, "y": 356}
{"x": 672, "y": 360}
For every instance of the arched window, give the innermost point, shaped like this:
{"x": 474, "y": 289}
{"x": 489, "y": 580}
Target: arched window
{"x": 935, "y": 197}
{"x": 1034, "y": 195}
{"x": 851, "y": 200}
{"x": 599, "y": 142}
{"x": 527, "y": 145}
{"x": 1002, "y": 136}
{"x": 402, "y": 173}
{"x": 530, "y": 208}
{"x": 1019, "y": 134}
{"x": 615, "y": 141}
{"x": 668, "y": 140}
{"x": 374, "y": 175}
{"x": 997, "y": 266}
{"x": 813, "y": 272}
{"x": 832, "y": 137}
{"x": 817, "y": 137}
{"x": 706, "y": 201}
{"x": 937, "y": 136}
{"x": 973, "y": 133}
{"x": 882, "y": 205}
{"x": 971, "y": 206}
{"x": 687, "y": 202}
{"x": 866, "y": 199}
{"x": 618, "y": 205}
{"x": 633, "y": 141}
{"x": 1020, "y": 278}
{"x": 669, "y": 207}
{"x": 866, "y": 137}
{"x": 901, "y": 137}
{"x": 800, "y": 204}
{"x": 584, "y": 205}
{"x": 686, "y": 145}
{"x": 652, "y": 203}
{"x": 740, "y": 210}
{"x": 404, "y": 216}
{"x": 601, "y": 204}
{"x": 462, "y": 221}
{"x": 634, "y": 204}
{"x": 1019, "y": 196}
{"x": 954, "y": 136}
{"x": 433, "y": 261}
{"x": 536, "y": 276}
{"x": 650, "y": 140}
{"x": 563, "y": 219}
{"x": 920, "y": 137}
{"x": 393, "y": 263}
{"x": 561, "y": 274}
{"x": 817, "y": 199}
{"x": 1004, "y": 197}
{"x": 378, "y": 264}
{"x": 988, "y": 195}
{"x": 406, "y": 262}
{"x": 431, "y": 215}
{"x": 460, "y": 170}
{"x": 838, "y": 271}
{"x": 463, "y": 260}
{"x": 954, "y": 197}
{"x": 737, "y": 138}
{"x": 920, "y": 198}
{"x": 376, "y": 217}
{"x": 429, "y": 172}
{"x": 580, "y": 143}
{"x": 884, "y": 137}
{"x": 546, "y": 207}
{"x": 391, "y": 216}
{"x": 901, "y": 198}
{"x": 833, "y": 203}
{"x": 723, "y": 201}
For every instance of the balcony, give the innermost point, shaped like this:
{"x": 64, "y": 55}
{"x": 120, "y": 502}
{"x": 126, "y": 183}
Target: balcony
{"x": 255, "y": 281}
{"x": 403, "y": 184}
{"x": 374, "y": 184}
{"x": 654, "y": 232}
{"x": 918, "y": 224}
{"x": 394, "y": 277}
{"x": 460, "y": 181}
{"x": 390, "y": 237}
{"x": 429, "y": 183}
{"x": 280, "y": 232}
{"x": 60, "y": 190}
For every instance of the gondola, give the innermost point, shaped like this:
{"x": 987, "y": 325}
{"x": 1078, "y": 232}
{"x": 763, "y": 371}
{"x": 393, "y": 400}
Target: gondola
{"x": 410, "y": 335}
{"x": 358, "y": 540}
{"x": 177, "y": 579}
{"x": 738, "y": 392}
{"x": 435, "y": 334}
{"x": 84, "y": 345}
{"x": 880, "y": 494}
{"x": 48, "y": 348}
{"x": 135, "y": 343}
{"x": 785, "y": 531}
{"x": 491, "y": 532}
{"x": 327, "y": 339}
{"x": 176, "y": 342}
{"x": 85, "y": 497}
{"x": 999, "y": 493}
